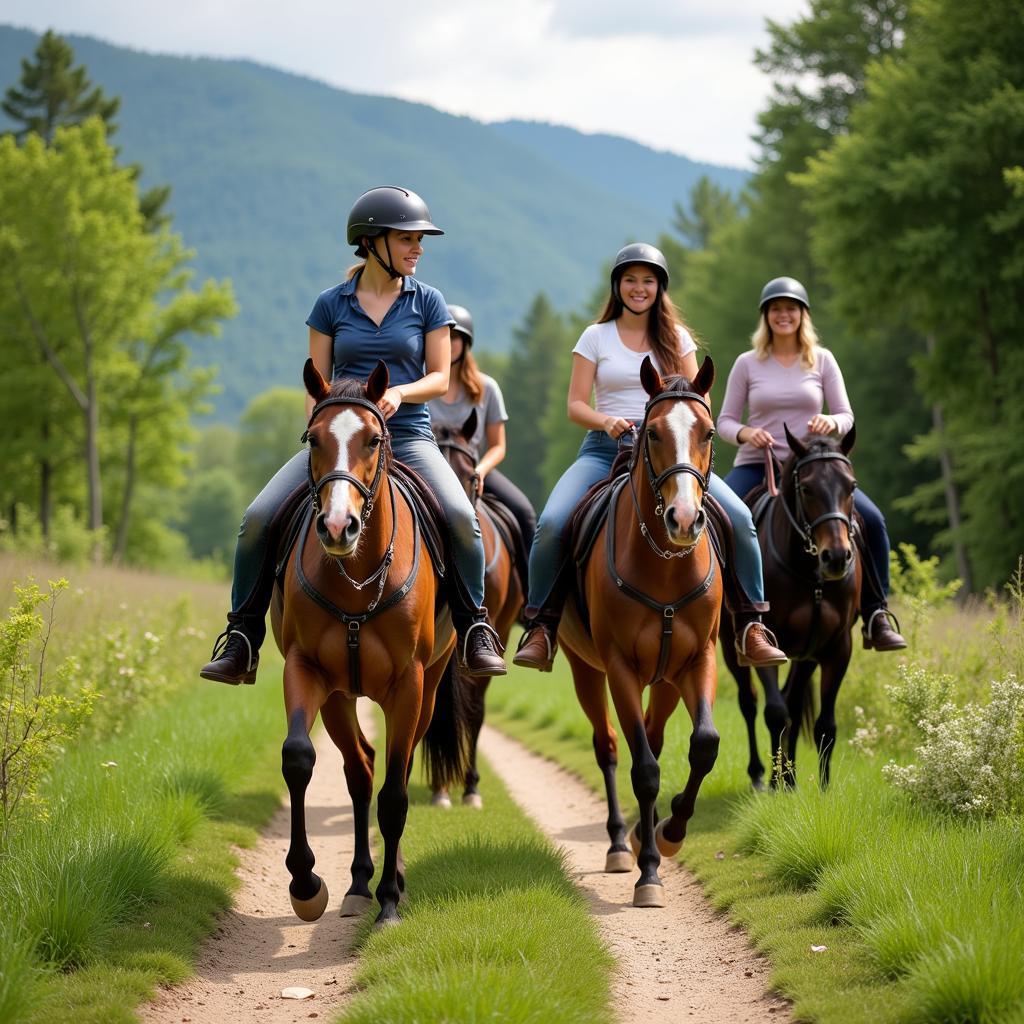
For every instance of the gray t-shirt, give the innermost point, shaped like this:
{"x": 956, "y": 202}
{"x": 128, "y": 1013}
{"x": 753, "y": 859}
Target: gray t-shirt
{"x": 491, "y": 409}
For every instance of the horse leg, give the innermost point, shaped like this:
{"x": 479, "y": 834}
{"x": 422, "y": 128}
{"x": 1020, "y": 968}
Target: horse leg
{"x": 303, "y": 693}
{"x": 798, "y": 697}
{"x": 402, "y": 715}
{"x": 776, "y": 718}
{"x": 833, "y": 670}
{"x": 626, "y": 691}
{"x": 475, "y": 715}
{"x": 747, "y": 697}
{"x": 698, "y": 690}
{"x": 593, "y": 698}
{"x": 339, "y": 718}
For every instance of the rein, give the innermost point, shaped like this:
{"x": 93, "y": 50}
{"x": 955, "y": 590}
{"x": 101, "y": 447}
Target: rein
{"x": 355, "y": 621}
{"x": 667, "y": 611}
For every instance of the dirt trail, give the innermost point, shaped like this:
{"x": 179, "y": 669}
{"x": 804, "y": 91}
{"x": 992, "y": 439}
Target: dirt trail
{"x": 680, "y": 962}
{"x": 260, "y": 947}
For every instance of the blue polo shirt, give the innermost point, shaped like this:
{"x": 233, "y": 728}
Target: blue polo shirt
{"x": 399, "y": 340}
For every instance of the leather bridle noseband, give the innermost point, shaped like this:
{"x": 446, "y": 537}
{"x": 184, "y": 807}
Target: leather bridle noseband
{"x": 804, "y": 529}
{"x": 657, "y": 480}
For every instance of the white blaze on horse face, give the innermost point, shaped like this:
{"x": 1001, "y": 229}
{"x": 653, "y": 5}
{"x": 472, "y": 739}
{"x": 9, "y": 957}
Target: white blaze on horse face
{"x": 681, "y": 420}
{"x": 344, "y": 427}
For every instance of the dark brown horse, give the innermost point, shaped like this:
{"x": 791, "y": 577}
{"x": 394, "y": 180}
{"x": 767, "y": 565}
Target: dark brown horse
{"x": 503, "y": 592}
{"x": 358, "y": 615}
{"x": 812, "y": 580}
{"x": 653, "y": 596}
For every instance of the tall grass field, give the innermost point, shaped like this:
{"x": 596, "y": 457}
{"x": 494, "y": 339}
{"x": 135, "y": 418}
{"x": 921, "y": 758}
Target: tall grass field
{"x": 896, "y": 895}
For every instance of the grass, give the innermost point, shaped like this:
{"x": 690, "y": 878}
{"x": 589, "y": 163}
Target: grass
{"x": 451, "y": 960}
{"x": 115, "y": 889}
{"x": 919, "y": 912}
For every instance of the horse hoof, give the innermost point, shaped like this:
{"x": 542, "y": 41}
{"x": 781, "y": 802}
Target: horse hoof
{"x": 354, "y": 905}
{"x": 634, "y": 839}
{"x": 618, "y": 861}
{"x": 387, "y": 920}
{"x": 666, "y": 847}
{"x": 649, "y": 896}
{"x": 758, "y": 785}
{"x": 441, "y": 799}
{"x": 313, "y": 908}
{"x": 473, "y": 800}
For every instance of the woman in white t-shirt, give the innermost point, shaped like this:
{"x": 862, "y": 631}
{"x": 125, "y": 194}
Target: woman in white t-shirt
{"x": 639, "y": 320}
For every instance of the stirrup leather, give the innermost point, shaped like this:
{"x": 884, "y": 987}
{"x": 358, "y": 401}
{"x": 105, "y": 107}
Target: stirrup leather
{"x": 221, "y": 643}
{"x": 485, "y": 625}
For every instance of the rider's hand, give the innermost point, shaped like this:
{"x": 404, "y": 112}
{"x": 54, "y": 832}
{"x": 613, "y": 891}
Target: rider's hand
{"x": 616, "y": 426}
{"x": 389, "y": 402}
{"x": 481, "y": 474}
{"x": 758, "y": 437}
{"x": 821, "y": 424}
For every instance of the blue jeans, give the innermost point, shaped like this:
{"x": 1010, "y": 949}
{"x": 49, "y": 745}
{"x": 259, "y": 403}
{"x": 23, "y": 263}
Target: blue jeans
{"x": 594, "y": 463}
{"x": 250, "y": 595}
{"x": 876, "y": 537}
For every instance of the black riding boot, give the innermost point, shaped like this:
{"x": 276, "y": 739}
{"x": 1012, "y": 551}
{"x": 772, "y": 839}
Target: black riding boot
{"x": 881, "y": 629}
{"x": 478, "y": 648}
{"x": 236, "y": 652}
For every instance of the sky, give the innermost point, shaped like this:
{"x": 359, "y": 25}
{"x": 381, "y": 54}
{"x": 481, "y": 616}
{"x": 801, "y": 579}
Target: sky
{"x": 673, "y": 74}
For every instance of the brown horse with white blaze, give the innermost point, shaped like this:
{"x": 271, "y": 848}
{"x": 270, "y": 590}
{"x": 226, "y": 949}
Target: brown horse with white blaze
{"x": 653, "y": 595}
{"x": 358, "y": 615}
{"x": 503, "y": 594}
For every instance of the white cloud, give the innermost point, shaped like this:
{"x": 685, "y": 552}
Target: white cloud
{"x": 674, "y": 75}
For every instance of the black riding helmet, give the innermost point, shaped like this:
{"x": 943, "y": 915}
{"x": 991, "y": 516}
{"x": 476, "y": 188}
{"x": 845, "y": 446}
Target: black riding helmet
{"x": 383, "y": 208}
{"x": 784, "y": 288}
{"x": 640, "y": 252}
{"x": 463, "y": 322}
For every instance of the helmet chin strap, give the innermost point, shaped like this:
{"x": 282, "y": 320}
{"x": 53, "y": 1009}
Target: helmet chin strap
{"x": 389, "y": 266}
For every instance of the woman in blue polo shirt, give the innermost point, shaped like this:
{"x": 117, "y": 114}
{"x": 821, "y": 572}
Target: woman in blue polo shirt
{"x": 381, "y": 312}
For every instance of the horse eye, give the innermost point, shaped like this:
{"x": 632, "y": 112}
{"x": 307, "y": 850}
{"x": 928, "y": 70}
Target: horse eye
{"x": 652, "y": 435}
{"x": 711, "y": 435}
{"x": 375, "y": 441}
{"x": 312, "y": 441}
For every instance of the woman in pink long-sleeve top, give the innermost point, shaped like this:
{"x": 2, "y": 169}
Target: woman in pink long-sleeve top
{"x": 788, "y": 378}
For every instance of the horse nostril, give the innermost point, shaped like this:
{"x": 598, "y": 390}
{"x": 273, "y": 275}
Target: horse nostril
{"x": 671, "y": 519}
{"x": 351, "y": 528}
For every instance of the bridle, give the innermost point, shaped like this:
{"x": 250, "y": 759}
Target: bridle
{"x": 799, "y": 522}
{"x": 657, "y": 480}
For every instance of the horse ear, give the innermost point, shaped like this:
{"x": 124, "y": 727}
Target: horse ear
{"x": 650, "y": 378}
{"x": 317, "y": 388}
{"x": 849, "y": 440}
{"x": 378, "y": 381}
{"x": 469, "y": 427}
{"x": 705, "y": 376}
{"x": 798, "y": 449}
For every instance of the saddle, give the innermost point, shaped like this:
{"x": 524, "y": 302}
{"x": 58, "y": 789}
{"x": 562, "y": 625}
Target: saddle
{"x": 511, "y": 535}
{"x": 296, "y": 512}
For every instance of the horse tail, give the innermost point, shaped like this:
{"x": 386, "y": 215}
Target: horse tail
{"x": 446, "y": 743}
{"x": 803, "y": 706}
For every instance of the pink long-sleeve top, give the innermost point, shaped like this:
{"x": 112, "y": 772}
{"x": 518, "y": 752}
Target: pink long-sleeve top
{"x": 775, "y": 395}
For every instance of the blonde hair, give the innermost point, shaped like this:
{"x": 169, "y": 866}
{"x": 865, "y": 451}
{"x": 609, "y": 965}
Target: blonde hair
{"x": 806, "y": 338}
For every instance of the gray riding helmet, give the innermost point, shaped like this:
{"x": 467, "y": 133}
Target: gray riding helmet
{"x": 463, "y": 321}
{"x": 784, "y": 288}
{"x": 640, "y": 252}
{"x": 388, "y": 206}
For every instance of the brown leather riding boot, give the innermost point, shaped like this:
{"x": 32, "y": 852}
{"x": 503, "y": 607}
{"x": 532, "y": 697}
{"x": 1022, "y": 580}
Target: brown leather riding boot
{"x": 881, "y": 631}
{"x": 756, "y": 646}
{"x": 537, "y": 647}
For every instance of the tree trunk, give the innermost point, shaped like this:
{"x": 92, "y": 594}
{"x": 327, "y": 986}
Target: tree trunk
{"x": 92, "y": 455}
{"x": 963, "y": 564}
{"x": 121, "y": 542}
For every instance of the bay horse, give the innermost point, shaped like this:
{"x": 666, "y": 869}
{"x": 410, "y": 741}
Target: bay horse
{"x": 812, "y": 580}
{"x": 357, "y": 614}
{"x": 647, "y": 613}
{"x": 503, "y": 595}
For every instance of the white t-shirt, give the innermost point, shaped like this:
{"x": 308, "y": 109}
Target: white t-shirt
{"x": 617, "y": 387}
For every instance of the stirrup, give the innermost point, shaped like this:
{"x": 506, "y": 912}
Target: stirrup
{"x": 221, "y": 643}
{"x": 480, "y": 624}
{"x": 886, "y": 613}
{"x": 545, "y": 632}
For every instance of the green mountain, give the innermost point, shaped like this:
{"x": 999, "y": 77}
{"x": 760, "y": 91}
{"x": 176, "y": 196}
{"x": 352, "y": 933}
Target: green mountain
{"x": 265, "y": 164}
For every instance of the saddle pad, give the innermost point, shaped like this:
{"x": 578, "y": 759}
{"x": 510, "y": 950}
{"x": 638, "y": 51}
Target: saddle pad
{"x": 589, "y": 517}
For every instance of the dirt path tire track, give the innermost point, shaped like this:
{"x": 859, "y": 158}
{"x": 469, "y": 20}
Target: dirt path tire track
{"x": 682, "y": 962}
{"x": 260, "y": 946}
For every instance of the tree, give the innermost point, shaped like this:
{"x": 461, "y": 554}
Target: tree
{"x": 917, "y": 213}
{"x": 212, "y": 508}
{"x": 530, "y": 380}
{"x": 712, "y": 208}
{"x": 268, "y": 435}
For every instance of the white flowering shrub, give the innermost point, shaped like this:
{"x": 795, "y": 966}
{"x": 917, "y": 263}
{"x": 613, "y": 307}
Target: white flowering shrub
{"x": 969, "y": 760}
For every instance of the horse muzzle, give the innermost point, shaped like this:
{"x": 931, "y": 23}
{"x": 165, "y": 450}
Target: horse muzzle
{"x": 835, "y": 561}
{"x": 683, "y": 533}
{"x": 338, "y": 534}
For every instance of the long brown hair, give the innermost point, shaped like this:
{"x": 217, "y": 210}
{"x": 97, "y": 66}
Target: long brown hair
{"x": 469, "y": 375}
{"x": 665, "y": 320}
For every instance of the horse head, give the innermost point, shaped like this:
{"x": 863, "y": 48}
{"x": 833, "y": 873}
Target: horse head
{"x": 348, "y": 454}
{"x": 457, "y": 447}
{"x": 817, "y": 493}
{"x": 675, "y": 444}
